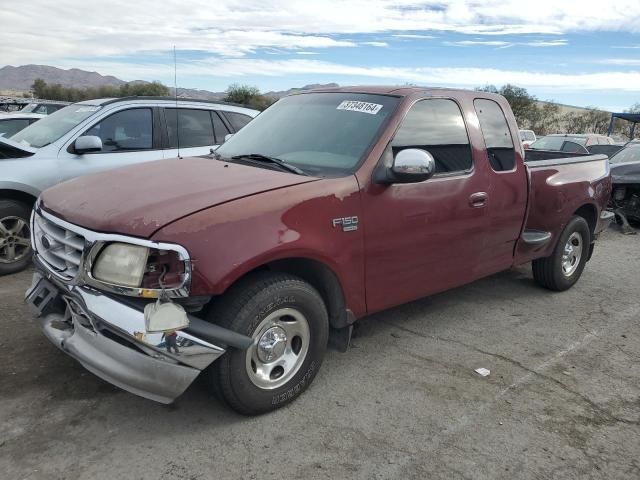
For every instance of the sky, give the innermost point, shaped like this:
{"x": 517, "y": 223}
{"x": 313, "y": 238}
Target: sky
{"x": 581, "y": 53}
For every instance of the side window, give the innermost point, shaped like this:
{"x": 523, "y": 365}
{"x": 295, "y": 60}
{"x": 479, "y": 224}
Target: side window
{"x": 125, "y": 130}
{"x": 237, "y": 120}
{"x": 497, "y": 136}
{"x": 436, "y": 126}
{"x": 196, "y": 129}
{"x": 219, "y": 128}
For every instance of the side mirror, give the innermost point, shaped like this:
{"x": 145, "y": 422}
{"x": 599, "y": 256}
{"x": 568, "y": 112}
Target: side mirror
{"x": 228, "y": 136}
{"x": 411, "y": 165}
{"x": 87, "y": 144}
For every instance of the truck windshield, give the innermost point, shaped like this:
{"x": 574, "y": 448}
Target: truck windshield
{"x": 54, "y": 126}
{"x": 556, "y": 143}
{"x": 323, "y": 134}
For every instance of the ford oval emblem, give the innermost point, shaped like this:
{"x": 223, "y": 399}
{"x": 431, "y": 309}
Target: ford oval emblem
{"x": 45, "y": 242}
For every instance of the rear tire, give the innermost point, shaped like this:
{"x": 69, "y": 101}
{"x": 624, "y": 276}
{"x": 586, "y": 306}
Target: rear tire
{"x": 15, "y": 237}
{"x": 289, "y": 323}
{"x": 562, "y": 269}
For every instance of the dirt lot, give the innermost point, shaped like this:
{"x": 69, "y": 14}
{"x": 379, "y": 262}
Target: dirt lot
{"x": 562, "y": 400}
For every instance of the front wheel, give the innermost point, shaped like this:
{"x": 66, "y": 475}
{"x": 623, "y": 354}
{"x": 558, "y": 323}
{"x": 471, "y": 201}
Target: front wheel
{"x": 15, "y": 242}
{"x": 564, "y": 266}
{"x": 288, "y": 321}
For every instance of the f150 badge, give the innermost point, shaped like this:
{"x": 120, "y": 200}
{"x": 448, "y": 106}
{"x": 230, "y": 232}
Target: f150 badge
{"x": 349, "y": 224}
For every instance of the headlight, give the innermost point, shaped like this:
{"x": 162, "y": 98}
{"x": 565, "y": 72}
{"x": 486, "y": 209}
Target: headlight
{"x": 146, "y": 271}
{"x": 121, "y": 264}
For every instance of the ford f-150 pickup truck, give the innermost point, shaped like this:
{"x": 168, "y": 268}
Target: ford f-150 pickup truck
{"x": 329, "y": 206}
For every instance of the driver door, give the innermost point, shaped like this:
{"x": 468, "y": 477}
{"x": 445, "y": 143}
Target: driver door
{"x": 422, "y": 238}
{"x": 128, "y": 137}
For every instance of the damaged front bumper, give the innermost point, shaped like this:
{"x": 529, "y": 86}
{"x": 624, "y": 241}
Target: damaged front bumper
{"x": 109, "y": 339}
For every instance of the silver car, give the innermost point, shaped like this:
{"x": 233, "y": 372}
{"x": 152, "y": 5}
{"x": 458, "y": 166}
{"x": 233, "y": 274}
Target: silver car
{"x": 97, "y": 135}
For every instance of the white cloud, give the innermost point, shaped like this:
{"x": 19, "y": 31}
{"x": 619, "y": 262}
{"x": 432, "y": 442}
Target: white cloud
{"x": 412, "y": 36}
{"x": 46, "y": 31}
{"x": 548, "y": 43}
{"x": 462, "y": 77}
{"x": 375, "y": 44}
{"x": 473, "y": 43}
{"x": 631, "y": 62}
{"x": 502, "y": 44}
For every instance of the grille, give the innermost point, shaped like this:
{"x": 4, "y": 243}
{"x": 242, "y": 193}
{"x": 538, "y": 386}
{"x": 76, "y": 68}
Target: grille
{"x": 59, "y": 248}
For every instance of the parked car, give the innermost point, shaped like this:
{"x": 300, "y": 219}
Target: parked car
{"x": 566, "y": 142}
{"x": 527, "y": 137}
{"x": 12, "y": 123}
{"x": 625, "y": 176}
{"x": 98, "y": 135}
{"x": 44, "y": 107}
{"x": 329, "y": 206}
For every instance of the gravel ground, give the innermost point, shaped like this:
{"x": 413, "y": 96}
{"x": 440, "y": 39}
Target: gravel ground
{"x": 562, "y": 400}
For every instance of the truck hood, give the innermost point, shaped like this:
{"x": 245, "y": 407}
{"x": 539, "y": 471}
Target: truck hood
{"x": 139, "y": 200}
{"x": 11, "y": 149}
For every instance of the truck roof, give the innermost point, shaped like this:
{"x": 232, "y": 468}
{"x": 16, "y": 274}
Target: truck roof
{"x": 108, "y": 101}
{"x": 403, "y": 91}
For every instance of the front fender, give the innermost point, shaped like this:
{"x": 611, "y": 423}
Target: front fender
{"x": 230, "y": 240}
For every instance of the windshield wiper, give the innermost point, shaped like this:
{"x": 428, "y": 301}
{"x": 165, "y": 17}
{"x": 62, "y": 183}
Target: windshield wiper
{"x": 264, "y": 158}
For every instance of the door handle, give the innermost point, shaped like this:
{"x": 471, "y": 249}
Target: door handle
{"x": 478, "y": 199}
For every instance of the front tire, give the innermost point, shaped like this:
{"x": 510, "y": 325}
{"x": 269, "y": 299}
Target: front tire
{"x": 562, "y": 269}
{"x": 288, "y": 321}
{"x": 15, "y": 237}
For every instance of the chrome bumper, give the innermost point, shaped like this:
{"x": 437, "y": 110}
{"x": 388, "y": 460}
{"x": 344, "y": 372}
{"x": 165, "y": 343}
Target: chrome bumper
{"x": 109, "y": 339}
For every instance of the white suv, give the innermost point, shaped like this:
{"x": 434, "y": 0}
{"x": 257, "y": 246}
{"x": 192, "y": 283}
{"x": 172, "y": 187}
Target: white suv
{"x": 97, "y": 135}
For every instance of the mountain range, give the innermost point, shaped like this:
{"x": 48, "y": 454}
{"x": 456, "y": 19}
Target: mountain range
{"x": 20, "y": 79}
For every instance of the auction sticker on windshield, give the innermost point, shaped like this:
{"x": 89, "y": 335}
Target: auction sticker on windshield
{"x": 356, "y": 106}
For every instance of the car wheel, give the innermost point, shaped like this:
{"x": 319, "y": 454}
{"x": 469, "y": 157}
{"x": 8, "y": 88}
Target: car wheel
{"x": 288, "y": 321}
{"x": 15, "y": 236}
{"x": 562, "y": 269}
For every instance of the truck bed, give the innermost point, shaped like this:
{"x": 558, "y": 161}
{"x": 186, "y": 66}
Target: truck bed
{"x": 559, "y": 186}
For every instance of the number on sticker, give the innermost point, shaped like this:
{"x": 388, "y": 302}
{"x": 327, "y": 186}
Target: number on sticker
{"x": 356, "y": 106}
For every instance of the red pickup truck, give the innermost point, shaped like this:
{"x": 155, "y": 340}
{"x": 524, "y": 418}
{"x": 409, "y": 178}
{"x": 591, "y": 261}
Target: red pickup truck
{"x": 329, "y": 206}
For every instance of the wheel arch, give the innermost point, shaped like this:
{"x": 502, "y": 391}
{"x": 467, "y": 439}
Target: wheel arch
{"x": 17, "y": 195}
{"x": 319, "y": 275}
{"x": 589, "y": 212}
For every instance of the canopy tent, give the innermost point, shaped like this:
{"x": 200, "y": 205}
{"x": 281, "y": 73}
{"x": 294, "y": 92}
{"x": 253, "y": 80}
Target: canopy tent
{"x": 634, "y": 118}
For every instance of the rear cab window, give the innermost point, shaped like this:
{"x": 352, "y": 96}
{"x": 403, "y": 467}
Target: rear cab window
{"x": 437, "y": 126}
{"x": 497, "y": 136}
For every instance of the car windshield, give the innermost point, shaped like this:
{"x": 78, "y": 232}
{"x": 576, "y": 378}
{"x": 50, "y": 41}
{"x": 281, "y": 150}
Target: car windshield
{"x": 54, "y": 126}
{"x": 10, "y": 126}
{"x": 629, "y": 154}
{"x": 324, "y": 134}
{"x": 556, "y": 143}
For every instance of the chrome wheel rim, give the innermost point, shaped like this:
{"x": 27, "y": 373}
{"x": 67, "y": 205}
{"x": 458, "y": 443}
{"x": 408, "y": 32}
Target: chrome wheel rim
{"x": 280, "y": 346}
{"x": 572, "y": 254}
{"x": 14, "y": 239}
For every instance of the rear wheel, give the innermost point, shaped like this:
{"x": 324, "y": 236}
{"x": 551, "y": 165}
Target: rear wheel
{"x": 288, "y": 321}
{"x": 15, "y": 237}
{"x": 562, "y": 269}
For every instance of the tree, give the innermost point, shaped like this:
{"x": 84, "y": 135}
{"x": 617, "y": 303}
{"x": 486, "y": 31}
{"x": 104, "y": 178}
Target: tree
{"x": 247, "y": 95}
{"x": 42, "y": 89}
{"x": 39, "y": 88}
{"x": 522, "y": 104}
{"x": 590, "y": 121}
